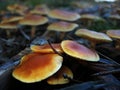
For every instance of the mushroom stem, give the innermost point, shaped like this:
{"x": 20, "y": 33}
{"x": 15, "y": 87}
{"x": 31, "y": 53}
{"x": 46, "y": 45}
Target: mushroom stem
{"x": 33, "y": 30}
{"x": 89, "y": 23}
{"x": 93, "y": 45}
{"x": 59, "y": 36}
{"x": 117, "y": 44}
{"x": 62, "y": 35}
{"x": 8, "y": 33}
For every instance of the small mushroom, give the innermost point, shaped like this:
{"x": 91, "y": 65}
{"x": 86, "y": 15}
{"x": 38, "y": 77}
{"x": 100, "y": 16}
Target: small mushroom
{"x": 8, "y": 27}
{"x": 88, "y": 19}
{"x": 33, "y": 20}
{"x": 115, "y": 34}
{"x": 115, "y": 18}
{"x": 63, "y": 15}
{"x": 62, "y": 26}
{"x": 46, "y": 48}
{"x": 12, "y": 19}
{"x": 16, "y": 8}
{"x": 36, "y": 67}
{"x": 58, "y": 78}
{"x": 79, "y": 51}
{"x": 93, "y": 36}
{"x": 40, "y": 10}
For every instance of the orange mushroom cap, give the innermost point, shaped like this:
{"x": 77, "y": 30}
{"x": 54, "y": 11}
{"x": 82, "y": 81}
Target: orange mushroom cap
{"x": 40, "y": 9}
{"x": 93, "y": 35}
{"x": 35, "y": 67}
{"x": 46, "y": 48}
{"x": 64, "y": 15}
{"x": 77, "y": 50}
{"x": 58, "y": 78}
{"x": 113, "y": 33}
{"x": 17, "y": 8}
{"x": 62, "y": 26}
{"x": 90, "y": 17}
{"x": 33, "y": 20}
{"x": 12, "y": 19}
{"x": 8, "y": 25}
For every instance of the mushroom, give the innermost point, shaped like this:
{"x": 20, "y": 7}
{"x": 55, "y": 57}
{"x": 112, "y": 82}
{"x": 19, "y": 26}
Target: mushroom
{"x": 63, "y": 15}
{"x": 40, "y": 10}
{"x": 36, "y": 67}
{"x": 114, "y": 18}
{"x": 33, "y": 20}
{"x": 62, "y": 26}
{"x": 6, "y": 22}
{"x": 58, "y": 78}
{"x": 93, "y": 36}
{"x": 8, "y": 27}
{"x": 16, "y": 8}
{"x": 79, "y": 51}
{"x": 90, "y": 18}
{"x": 12, "y": 19}
{"x": 46, "y": 48}
{"x": 115, "y": 34}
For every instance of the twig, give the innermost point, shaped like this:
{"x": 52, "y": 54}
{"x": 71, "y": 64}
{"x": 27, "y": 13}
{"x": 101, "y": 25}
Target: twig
{"x": 106, "y": 72}
{"x": 53, "y": 48}
{"x": 109, "y": 58}
{"x": 24, "y": 34}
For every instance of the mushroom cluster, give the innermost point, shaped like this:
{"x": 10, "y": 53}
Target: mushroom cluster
{"x": 57, "y": 63}
{"x": 44, "y": 64}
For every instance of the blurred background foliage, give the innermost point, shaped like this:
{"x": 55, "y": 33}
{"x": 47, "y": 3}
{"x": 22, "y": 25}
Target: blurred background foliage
{"x": 66, "y": 4}
{"x": 55, "y": 3}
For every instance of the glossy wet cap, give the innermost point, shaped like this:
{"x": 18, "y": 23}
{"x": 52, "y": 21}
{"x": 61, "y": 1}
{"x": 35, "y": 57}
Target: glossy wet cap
{"x": 64, "y": 15}
{"x": 79, "y": 51}
{"x": 62, "y": 26}
{"x": 93, "y": 35}
{"x": 113, "y": 33}
{"x": 46, "y": 48}
{"x": 35, "y": 67}
{"x": 33, "y": 20}
{"x": 58, "y": 77}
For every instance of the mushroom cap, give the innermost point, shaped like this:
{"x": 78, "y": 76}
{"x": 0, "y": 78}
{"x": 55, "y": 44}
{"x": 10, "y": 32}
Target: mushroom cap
{"x": 16, "y": 7}
{"x": 41, "y": 9}
{"x": 62, "y": 26}
{"x": 114, "y": 17}
{"x": 33, "y": 20}
{"x": 58, "y": 78}
{"x": 113, "y": 33}
{"x": 8, "y": 25}
{"x": 93, "y": 35}
{"x": 77, "y": 50}
{"x": 46, "y": 48}
{"x": 12, "y": 19}
{"x": 35, "y": 67}
{"x": 91, "y": 17}
{"x": 63, "y": 15}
